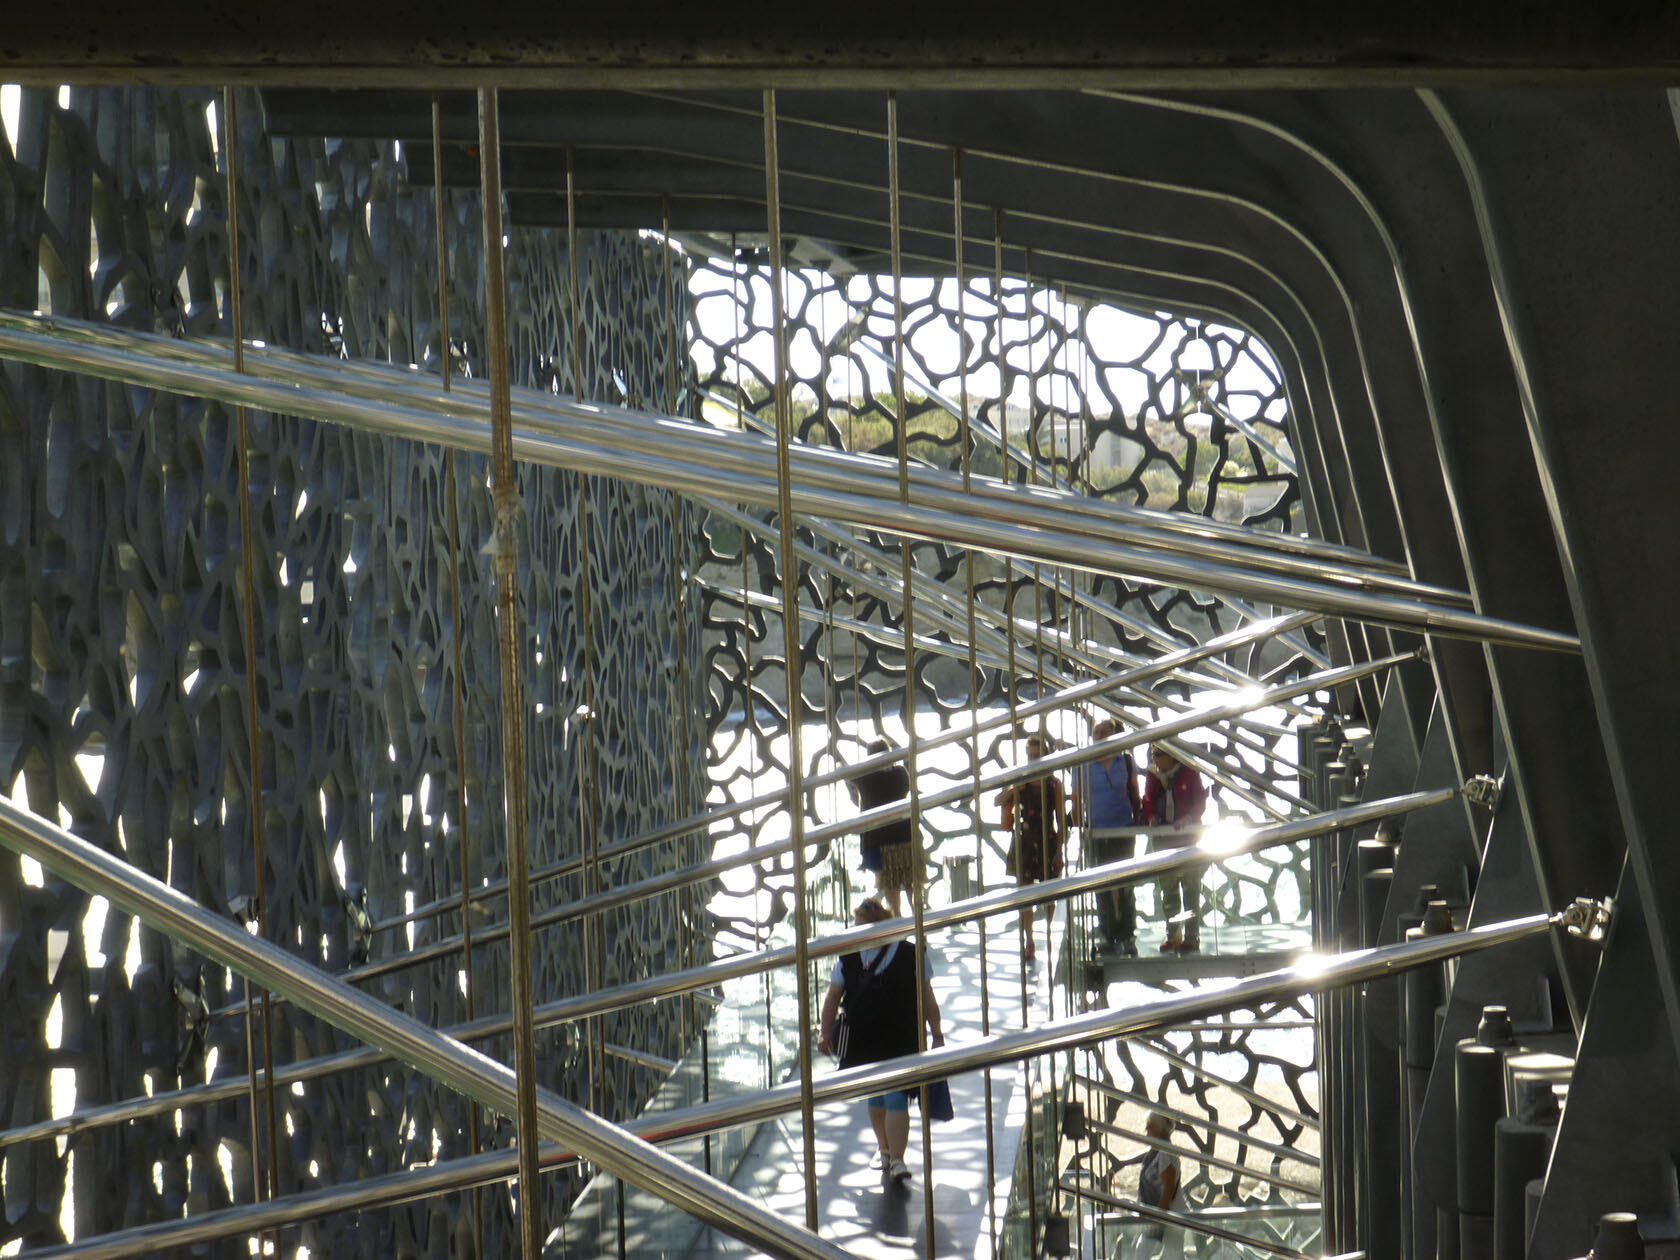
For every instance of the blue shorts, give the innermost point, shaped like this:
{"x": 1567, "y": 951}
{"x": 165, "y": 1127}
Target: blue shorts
{"x": 894, "y": 1100}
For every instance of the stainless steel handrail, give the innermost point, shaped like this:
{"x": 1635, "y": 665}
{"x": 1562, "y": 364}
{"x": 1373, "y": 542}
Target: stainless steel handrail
{"x": 1313, "y": 975}
{"x": 1200, "y": 1122}
{"x": 694, "y": 979}
{"x": 1197, "y": 1155}
{"x": 956, "y": 733}
{"x": 459, "y": 1067}
{"x": 653, "y": 885}
{"x": 381, "y": 382}
{"x": 833, "y": 484}
{"x": 1182, "y": 1221}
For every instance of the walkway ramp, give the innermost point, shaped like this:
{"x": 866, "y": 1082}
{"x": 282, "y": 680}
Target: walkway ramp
{"x": 889, "y": 1224}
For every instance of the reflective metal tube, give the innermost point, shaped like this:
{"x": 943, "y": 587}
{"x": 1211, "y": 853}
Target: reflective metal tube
{"x": 404, "y": 1037}
{"x": 1183, "y": 1221}
{"x": 907, "y": 1072}
{"x": 1198, "y": 1121}
{"x": 655, "y": 884}
{"x": 999, "y": 901}
{"x": 1310, "y": 975}
{"x": 954, "y": 734}
{"x": 1155, "y": 1046}
{"x": 381, "y": 383}
{"x": 830, "y": 484}
{"x": 1200, "y": 1156}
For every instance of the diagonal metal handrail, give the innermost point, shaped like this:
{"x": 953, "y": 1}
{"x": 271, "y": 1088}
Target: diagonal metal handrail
{"x": 955, "y": 733}
{"x": 910, "y": 1071}
{"x": 1193, "y": 1120}
{"x": 653, "y": 885}
{"x": 1156, "y": 1047}
{"x": 1139, "y": 626}
{"x": 1134, "y": 870}
{"x": 1244, "y": 782}
{"x": 369, "y": 380}
{"x": 1198, "y": 1155}
{"x": 482, "y": 1079}
{"x": 1183, "y": 1221}
{"x": 1046, "y": 526}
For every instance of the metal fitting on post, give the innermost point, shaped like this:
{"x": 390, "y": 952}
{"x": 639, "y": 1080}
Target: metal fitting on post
{"x": 1483, "y": 790}
{"x": 1588, "y": 918}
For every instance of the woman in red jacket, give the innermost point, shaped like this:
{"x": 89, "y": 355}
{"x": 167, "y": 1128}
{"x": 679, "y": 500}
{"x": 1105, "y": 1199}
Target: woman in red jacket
{"x": 1175, "y": 796}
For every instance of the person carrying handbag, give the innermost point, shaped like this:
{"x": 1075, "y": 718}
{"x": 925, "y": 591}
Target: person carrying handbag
{"x": 876, "y": 988}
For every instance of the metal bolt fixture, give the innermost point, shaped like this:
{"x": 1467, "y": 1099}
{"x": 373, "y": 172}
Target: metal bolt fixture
{"x": 1483, "y": 790}
{"x": 1588, "y": 919}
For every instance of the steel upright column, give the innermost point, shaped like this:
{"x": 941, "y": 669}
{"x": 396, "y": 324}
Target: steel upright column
{"x": 589, "y": 813}
{"x": 510, "y": 637}
{"x": 791, "y": 663}
{"x": 248, "y": 603}
{"x": 965, "y": 442}
{"x": 906, "y": 560}
{"x": 463, "y": 835}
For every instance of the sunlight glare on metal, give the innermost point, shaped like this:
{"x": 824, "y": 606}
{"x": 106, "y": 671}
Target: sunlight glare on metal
{"x": 1225, "y": 836}
{"x": 1247, "y": 697}
{"x": 1309, "y": 965}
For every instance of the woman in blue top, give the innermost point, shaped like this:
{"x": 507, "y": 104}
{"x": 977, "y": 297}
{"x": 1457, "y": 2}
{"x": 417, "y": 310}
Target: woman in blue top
{"x": 1105, "y": 796}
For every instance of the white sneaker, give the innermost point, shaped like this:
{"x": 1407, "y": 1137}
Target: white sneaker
{"x": 879, "y": 1159}
{"x": 896, "y": 1170}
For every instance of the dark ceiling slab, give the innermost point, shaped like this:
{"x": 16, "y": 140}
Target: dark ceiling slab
{"x": 875, "y": 43}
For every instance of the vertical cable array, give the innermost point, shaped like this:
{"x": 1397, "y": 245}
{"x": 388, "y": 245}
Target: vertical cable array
{"x": 506, "y": 499}
{"x": 248, "y": 602}
{"x": 458, "y": 697}
{"x": 791, "y": 662}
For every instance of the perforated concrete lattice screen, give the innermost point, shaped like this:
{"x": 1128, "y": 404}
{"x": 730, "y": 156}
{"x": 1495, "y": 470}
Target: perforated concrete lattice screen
{"x": 123, "y": 671}
{"x": 1137, "y": 408}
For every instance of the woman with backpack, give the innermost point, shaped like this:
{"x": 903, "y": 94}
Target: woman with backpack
{"x": 876, "y": 988}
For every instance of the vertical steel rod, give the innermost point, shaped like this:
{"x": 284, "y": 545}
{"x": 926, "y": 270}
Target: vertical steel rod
{"x": 679, "y": 696}
{"x": 791, "y": 660}
{"x": 965, "y": 442}
{"x": 918, "y": 873}
{"x": 458, "y": 692}
{"x": 248, "y": 600}
{"x": 589, "y": 811}
{"x": 511, "y": 642}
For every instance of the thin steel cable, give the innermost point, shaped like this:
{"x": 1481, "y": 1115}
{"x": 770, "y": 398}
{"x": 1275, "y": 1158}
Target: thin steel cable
{"x": 506, "y": 495}
{"x": 748, "y": 701}
{"x": 1024, "y": 930}
{"x": 792, "y": 665}
{"x": 965, "y": 443}
{"x": 679, "y": 703}
{"x": 261, "y": 1184}
{"x": 458, "y": 688}
{"x": 918, "y": 859}
{"x": 588, "y": 802}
